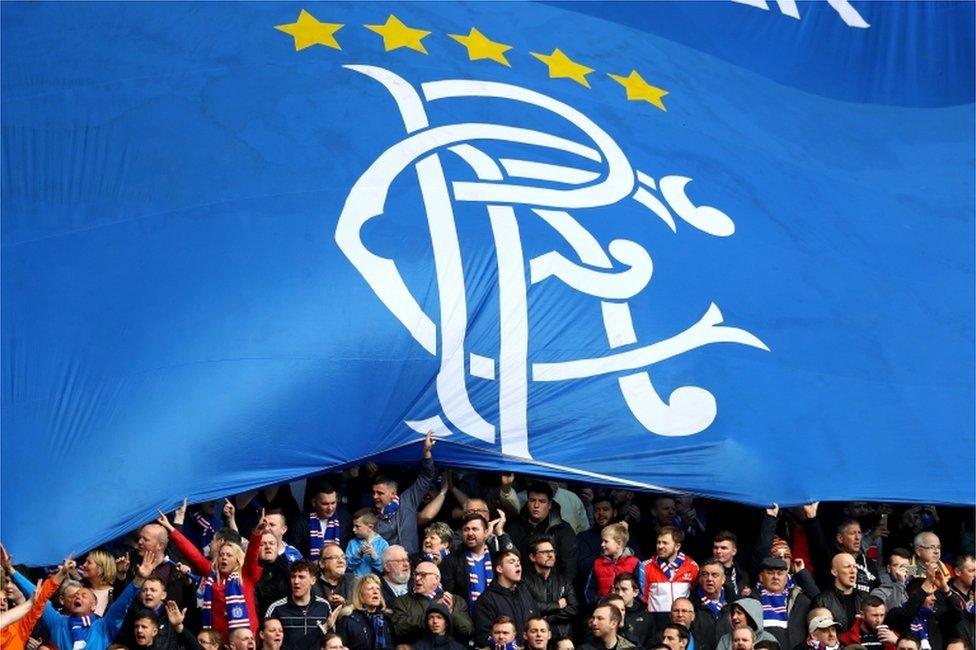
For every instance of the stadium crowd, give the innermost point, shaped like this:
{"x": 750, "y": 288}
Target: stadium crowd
{"x": 447, "y": 560}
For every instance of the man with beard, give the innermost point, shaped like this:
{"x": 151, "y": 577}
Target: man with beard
{"x": 541, "y": 516}
{"x": 396, "y": 573}
{"x": 468, "y": 571}
{"x": 409, "y": 611}
{"x": 869, "y": 629}
{"x": 553, "y": 593}
{"x": 843, "y": 598}
{"x": 604, "y": 627}
{"x": 667, "y": 576}
{"x": 504, "y": 596}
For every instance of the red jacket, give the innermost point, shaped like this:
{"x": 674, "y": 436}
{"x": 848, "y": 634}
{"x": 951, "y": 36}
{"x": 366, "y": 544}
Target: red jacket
{"x": 659, "y": 591}
{"x": 605, "y": 570}
{"x": 853, "y": 635}
{"x": 250, "y": 574}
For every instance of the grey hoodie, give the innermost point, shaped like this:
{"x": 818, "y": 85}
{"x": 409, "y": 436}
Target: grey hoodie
{"x": 754, "y": 613}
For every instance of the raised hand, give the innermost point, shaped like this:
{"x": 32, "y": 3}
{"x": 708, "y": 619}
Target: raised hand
{"x": 175, "y": 615}
{"x": 429, "y": 443}
{"x": 774, "y": 511}
{"x": 163, "y": 521}
{"x": 810, "y": 510}
{"x": 64, "y": 569}
{"x": 798, "y": 565}
{"x": 229, "y": 511}
{"x": 122, "y": 564}
{"x": 6, "y": 561}
{"x": 150, "y": 561}
{"x": 179, "y": 515}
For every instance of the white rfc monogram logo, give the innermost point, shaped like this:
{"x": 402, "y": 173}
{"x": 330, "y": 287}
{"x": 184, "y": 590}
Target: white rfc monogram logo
{"x": 689, "y": 409}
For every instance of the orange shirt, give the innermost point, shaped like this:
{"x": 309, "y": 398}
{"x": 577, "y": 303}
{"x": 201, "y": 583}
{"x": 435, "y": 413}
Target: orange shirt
{"x": 15, "y": 635}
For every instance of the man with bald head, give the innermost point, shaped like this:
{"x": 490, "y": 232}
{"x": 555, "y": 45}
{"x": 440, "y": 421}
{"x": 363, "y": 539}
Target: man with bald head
{"x": 843, "y": 598}
{"x": 409, "y": 612}
{"x": 154, "y": 539}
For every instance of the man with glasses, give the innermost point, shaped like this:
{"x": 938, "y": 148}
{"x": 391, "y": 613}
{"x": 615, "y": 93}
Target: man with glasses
{"x": 928, "y": 551}
{"x": 332, "y": 583}
{"x": 553, "y": 593}
{"x": 683, "y": 614}
{"x": 409, "y": 612}
{"x": 396, "y": 573}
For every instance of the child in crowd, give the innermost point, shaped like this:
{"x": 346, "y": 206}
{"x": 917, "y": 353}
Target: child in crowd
{"x": 364, "y": 553}
{"x": 616, "y": 559}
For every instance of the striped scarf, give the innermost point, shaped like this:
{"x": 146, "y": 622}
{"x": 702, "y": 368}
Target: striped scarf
{"x": 318, "y": 538}
{"x": 480, "y": 575}
{"x": 389, "y": 510}
{"x": 670, "y": 568}
{"x": 234, "y": 603}
{"x": 774, "y": 608}
{"x": 714, "y": 606}
{"x": 920, "y": 626}
{"x": 206, "y": 529}
{"x": 79, "y": 627}
{"x": 379, "y": 630}
{"x": 436, "y": 559}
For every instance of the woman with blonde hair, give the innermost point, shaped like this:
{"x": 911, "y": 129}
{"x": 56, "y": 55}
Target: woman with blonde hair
{"x": 226, "y": 592}
{"x": 365, "y": 624}
{"x": 98, "y": 572}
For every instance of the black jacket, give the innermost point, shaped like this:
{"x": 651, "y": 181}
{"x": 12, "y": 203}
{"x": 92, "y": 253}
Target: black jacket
{"x": 546, "y": 592}
{"x": 273, "y": 584}
{"x": 523, "y": 532}
{"x": 454, "y": 568}
{"x": 298, "y": 531}
{"x": 639, "y": 627}
{"x": 356, "y": 631}
{"x": 516, "y": 603}
{"x": 446, "y": 642}
{"x": 836, "y": 603}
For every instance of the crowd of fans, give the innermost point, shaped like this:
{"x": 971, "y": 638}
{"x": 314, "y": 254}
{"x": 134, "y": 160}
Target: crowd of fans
{"x": 452, "y": 560}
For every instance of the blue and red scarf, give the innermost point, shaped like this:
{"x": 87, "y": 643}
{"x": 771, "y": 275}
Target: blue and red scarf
{"x": 321, "y": 534}
{"x": 234, "y": 603}
{"x": 714, "y": 606}
{"x": 480, "y": 575}
{"x": 774, "y": 607}
{"x": 920, "y": 625}
{"x": 80, "y": 627}
{"x": 389, "y": 511}
{"x": 671, "y": 568}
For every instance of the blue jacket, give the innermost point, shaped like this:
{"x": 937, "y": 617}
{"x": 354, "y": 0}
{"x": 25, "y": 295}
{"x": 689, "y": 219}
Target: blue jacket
{"x": 100, "y": 634}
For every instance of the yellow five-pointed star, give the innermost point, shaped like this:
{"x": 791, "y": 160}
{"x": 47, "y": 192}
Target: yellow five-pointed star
{"x": 638, "y": 89}
{"x": 563, "y": 67}
{"x": 481, "y": 47}
{"x": 396, "y": 35}
{"x": 308, "y": 31}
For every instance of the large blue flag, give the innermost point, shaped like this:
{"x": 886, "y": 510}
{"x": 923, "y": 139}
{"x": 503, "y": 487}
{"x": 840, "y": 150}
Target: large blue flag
{"x": 724, "y": 248}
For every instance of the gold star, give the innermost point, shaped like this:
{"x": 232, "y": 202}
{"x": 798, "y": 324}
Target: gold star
{"x": 638, "y": 89}
{"x": 481, "y": 47}
{"x": 396, "y": 35}
{"x": 563, "y": 67}
{"x": 308, "y": 31}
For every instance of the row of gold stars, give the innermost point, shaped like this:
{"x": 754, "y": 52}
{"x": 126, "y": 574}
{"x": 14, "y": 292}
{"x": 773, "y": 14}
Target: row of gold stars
{"x": 308, "y": 30}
